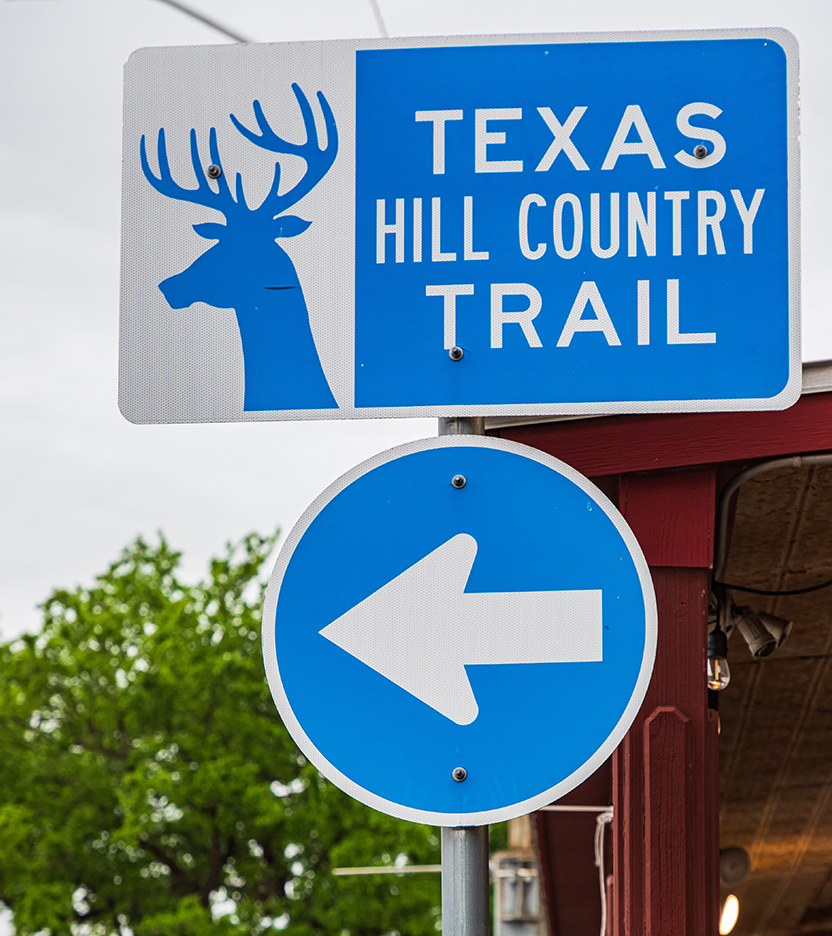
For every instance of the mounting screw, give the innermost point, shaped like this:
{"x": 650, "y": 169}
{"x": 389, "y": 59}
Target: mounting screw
{"x": 214, "y": 172}
{"x": 455, "y": 354}
{"x": 458, "y": 481}
{"x": 459, "y": 774}
{"x": 700, "y": 151}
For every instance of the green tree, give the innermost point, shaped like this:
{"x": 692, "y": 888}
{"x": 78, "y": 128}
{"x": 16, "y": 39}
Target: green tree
{"x": 150, "y": 786}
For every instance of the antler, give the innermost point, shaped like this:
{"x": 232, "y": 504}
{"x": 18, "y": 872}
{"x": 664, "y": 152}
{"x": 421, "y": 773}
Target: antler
{"x": 318, "y": 160}
{"x": 203, "y": 194}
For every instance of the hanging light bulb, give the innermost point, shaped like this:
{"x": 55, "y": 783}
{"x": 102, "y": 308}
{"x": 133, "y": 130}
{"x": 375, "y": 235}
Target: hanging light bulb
{"x": 719, "y": 673}
{"x": 729, "y": 916}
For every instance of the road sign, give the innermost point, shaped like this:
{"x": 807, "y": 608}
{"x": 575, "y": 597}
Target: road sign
{"x": 459, "y": 607}
{"x": 465, "y": 226}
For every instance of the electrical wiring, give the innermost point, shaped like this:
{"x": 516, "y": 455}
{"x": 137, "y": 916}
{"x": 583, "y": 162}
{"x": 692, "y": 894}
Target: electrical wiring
{"x": 766, "y": 591}
{"x": 730, "y": 489}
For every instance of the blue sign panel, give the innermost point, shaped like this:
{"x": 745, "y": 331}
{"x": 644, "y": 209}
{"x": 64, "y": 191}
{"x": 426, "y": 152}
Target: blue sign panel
{"x": 446, "y": 601}
{"x": 589, "y": 222}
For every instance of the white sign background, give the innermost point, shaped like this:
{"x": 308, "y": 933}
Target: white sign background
{"x": 187, "y": 365}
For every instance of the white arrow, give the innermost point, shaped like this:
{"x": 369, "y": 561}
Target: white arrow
{"x": 422, "y": 629}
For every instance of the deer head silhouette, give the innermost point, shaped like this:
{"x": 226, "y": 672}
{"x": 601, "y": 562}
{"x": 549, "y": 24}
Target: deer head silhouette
{"x": 248, "y": 270}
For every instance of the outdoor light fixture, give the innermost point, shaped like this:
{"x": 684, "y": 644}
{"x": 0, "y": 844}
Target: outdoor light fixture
{"x": 719, "y": 673}
{"x": 733, "y": 868}
{"x": 763, "y": 632}
{"x": 734, "y": 865}
{"x": 729, "y": 915}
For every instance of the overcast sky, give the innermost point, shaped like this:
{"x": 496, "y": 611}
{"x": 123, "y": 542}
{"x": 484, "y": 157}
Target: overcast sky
{"x": 78, "y": 482}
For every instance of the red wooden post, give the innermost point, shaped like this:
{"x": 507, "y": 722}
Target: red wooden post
{"x": 664, "y": 847}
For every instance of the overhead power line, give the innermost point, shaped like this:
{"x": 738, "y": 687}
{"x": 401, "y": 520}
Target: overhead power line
{"x": 382, "y": 29}
{"x": 190, "y": 11}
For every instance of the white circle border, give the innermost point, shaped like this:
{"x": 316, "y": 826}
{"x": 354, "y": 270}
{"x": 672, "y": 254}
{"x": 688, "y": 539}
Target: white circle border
{"x": 512, "y": 810}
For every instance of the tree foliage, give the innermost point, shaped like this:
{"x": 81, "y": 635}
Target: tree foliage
{"x": 150, "y": 787}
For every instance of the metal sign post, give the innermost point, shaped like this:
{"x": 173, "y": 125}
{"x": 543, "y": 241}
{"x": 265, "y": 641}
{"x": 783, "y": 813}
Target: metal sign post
{"x": 465, "y": 881}
{"x": 465, "y": 849}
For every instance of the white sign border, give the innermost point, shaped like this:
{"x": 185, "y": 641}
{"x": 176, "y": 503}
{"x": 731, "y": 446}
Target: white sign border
{"x": 512, "y": 810}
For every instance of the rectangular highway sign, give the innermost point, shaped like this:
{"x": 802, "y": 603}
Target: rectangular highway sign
{"x": 498, "y": 225}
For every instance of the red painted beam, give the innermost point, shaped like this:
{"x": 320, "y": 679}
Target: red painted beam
{"x": 666, "y": 748}
{"x": 665, "y": 858}
{"x": 617, "y": 444}
{"x": 672, "y": 516}
{"x": 665, "y": 837}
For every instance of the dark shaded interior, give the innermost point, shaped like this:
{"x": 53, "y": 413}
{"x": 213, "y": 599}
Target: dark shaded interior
{"x": 776, "y": 714}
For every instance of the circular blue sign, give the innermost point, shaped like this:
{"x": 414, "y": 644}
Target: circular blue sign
{"x": 459, "y": 602}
